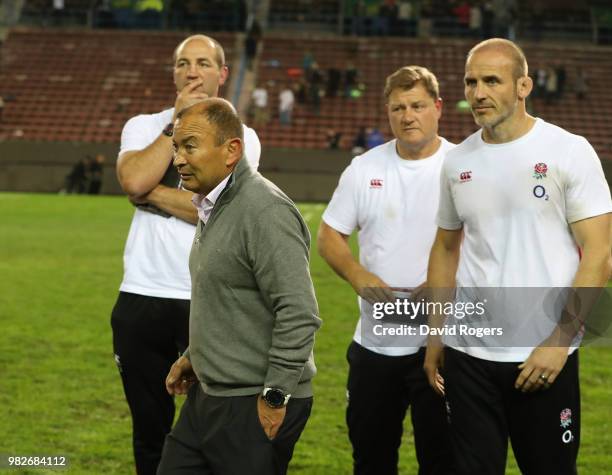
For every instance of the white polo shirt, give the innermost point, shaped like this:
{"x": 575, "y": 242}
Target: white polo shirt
{"x": 515, "y": 202}
{"x": 156, "y": 253}
{"x": 393, "y": 203}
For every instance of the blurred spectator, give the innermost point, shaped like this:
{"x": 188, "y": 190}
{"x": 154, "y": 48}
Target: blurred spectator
{"x": 11, "y": 12}
{"x": 475, "y": 22}
{"x": 57, "y": 12}
{"x": 286, "y": 101}
{"x": 425, "y": 24}
{"x": 96, "y": 172}
{"x": 301, "y": 90}
{"x": 359, "y": 143}
{"x": 488, "y": 15}
{"x": 540, "y": 82}
{"x": 1, "y": 107}
{"x": 123, "y": 13}
{"x": 461, "y": 11}
{"x": 315, "y": 88}
{"x": 504, "y": 15}
{"x": 334, "y": 76}
{"x": 350, "y": 78}
{"x": 260, "y": 105}
{"x": 307, "y": 61}
{"x": 149, "y": 13}
{"x": 405, "y": 17}
{"x": 551, "y": 85}
{"x": 374, "y": 138}
{"x": 359, "y": 17}
{"x": 333, "y": 139}
{"x": 580, "y": 86}
{"x": 392, "y": 11}
{"x": 387, "y": 18}
{"x": 250, "y": 43}
{"x": 561, "y": 76}
{"x": 103, "y": 14}
{"x": 77, "y": 178}
{"x": 537, "y": 18}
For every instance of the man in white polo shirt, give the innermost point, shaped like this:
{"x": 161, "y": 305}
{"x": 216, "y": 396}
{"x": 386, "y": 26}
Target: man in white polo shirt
{"x": 151, "y": 317}
{"x": 390, "y": 194}
{"x": 517, "y": 200}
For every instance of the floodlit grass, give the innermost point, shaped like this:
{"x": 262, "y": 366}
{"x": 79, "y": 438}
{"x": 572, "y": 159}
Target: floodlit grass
{"x": 60, "y": 394}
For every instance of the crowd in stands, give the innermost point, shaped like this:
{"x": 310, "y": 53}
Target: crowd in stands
{"x": 212, "y": 15}
{"x": 423, "y": 18}
{"x": 426, "y": 18}
{"x": 308, "y": 86}
{"x": 315, "y": 85}
{"x": 475, "y": 18}
{"x": 550, "y": 83}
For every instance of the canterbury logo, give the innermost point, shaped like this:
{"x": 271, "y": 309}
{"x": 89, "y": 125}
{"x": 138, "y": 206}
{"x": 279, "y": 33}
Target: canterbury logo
{"x": 376, "y": 183}
{"x": 465, "y": 176}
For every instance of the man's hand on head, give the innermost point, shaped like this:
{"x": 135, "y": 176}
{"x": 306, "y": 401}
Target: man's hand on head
{"x": 189, "y": 96}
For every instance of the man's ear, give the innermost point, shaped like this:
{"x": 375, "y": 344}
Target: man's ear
{"x": 438, "y": 104}
{"x": 524, "y": 85}
{"x": 223, "y": 75}
{"x": 234, "y": 151}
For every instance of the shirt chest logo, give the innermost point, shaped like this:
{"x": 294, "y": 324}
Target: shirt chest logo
{"x": 539, "y": 170}
{"x": 376, "y": 183}
{"x": 465, "y": 176}
{"x": 539, "y": 173}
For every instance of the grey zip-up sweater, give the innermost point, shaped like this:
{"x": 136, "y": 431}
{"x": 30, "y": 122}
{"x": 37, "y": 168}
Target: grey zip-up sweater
{"x": 253, "y": 308}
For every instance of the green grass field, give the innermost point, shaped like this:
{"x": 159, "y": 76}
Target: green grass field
{"x": 60, "y": 393}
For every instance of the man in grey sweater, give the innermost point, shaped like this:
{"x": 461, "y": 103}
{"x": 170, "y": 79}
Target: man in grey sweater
{"x": 253, "y": 310}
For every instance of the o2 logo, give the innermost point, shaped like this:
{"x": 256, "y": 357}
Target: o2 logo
{"x": 540, "y": 192}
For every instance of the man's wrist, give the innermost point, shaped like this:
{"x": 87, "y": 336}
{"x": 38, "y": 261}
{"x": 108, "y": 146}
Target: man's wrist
{"x": 275, "y": 398}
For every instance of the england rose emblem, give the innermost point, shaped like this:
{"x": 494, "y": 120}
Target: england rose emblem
{"x": 566, "y": 418}
{"x": 540, "y": 170}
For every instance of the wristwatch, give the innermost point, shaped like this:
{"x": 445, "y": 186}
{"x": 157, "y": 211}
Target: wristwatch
{"x": 168, "y": 130}
{"x": 275, "y": 398}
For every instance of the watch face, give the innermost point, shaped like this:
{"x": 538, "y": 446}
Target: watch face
{"x": 274, "y": 397}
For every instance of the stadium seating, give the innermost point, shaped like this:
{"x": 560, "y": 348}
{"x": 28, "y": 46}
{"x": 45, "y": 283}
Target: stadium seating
{"x": 82, "y": 85}
{"x": 375, "y": 58}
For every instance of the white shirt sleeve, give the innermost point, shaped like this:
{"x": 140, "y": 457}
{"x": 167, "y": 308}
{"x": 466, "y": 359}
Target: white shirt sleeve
{"x": 587, "y": 193}
{"x": 448, "y": 218}
{"x": 252, "y": 147}
{"x": 135, "y": 134}
{"x": 342, "y": 211}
